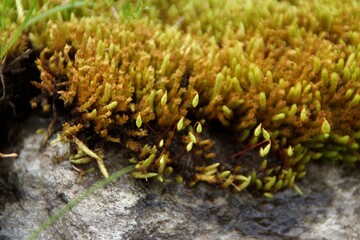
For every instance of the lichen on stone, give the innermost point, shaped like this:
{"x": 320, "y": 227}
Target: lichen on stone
{"x": 282, "y": 76}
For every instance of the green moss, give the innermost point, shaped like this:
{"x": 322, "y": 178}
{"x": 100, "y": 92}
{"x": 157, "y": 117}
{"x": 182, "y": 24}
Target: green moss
{"x": 293, "y": 68}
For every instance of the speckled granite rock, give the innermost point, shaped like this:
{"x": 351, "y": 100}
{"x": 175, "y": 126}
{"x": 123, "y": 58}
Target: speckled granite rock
{"x": 130, "y": 209}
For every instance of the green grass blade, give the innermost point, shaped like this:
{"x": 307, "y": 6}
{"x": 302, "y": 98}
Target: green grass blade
{"x": 19, "y": 30}
{"x": 80, "y": 198}
{"x": 56, "y": 9}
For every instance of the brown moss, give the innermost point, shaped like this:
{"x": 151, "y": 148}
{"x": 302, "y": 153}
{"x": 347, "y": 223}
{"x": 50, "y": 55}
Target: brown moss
{"x": 284, "y": 66}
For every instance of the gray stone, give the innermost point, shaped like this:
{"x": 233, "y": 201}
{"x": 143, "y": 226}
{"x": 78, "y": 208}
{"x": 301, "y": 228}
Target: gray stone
{"x": 132, "y": 209}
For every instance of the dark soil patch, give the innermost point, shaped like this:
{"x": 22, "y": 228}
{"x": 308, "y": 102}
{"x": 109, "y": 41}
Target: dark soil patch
{"x": 17, "y": 73}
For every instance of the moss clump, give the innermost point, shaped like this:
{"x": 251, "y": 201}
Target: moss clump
{"x": 283, "y": 77}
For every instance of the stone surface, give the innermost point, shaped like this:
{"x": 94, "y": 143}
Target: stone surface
{"x": 35, "y": 187}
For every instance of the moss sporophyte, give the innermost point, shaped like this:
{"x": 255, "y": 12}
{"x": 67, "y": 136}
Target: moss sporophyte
{"x": 282, "y": 79}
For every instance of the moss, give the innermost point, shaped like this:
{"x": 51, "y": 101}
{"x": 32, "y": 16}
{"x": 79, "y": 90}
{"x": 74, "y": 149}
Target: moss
{"x": 284, "y": 78}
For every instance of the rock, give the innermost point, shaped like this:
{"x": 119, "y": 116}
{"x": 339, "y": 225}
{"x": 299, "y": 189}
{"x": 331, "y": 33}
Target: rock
{"x": 35, "y": 187}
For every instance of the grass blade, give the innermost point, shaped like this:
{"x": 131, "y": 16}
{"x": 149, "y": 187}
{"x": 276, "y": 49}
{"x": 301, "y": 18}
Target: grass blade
{"x": 80, "y": 198}
{"x": 19, "y": 30}
{"x": 56, "y": 9}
